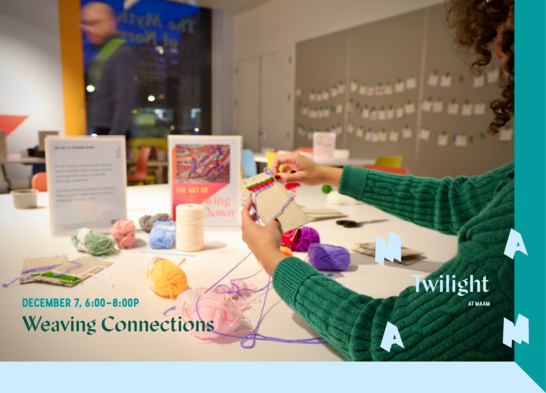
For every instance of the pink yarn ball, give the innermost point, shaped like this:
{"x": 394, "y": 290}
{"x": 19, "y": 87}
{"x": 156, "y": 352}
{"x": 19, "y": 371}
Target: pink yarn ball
{"x": 307, "y": 237}
{"x": 123, "y": 233}
{"x": 226, "y": 318}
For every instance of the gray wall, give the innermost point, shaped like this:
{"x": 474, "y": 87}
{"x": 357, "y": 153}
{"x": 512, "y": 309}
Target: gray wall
{"x": 415, "y": 44}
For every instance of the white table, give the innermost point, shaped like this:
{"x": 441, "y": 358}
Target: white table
{"x": 261, "y": 158}
{"x": 25, "y": 233}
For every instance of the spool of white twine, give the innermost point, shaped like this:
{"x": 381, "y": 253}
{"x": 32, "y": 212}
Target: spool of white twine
{"x": 190, "y": 227}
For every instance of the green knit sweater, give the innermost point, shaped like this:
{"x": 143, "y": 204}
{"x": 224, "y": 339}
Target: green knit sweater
{"x": 432, "y": 325}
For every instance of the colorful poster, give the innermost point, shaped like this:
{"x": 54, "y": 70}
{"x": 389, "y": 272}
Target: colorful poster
{"x": 205, "y": 171}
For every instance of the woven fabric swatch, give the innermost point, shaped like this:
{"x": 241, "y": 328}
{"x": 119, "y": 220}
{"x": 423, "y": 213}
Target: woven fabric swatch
{"x": 271, "y": 200}
{"x": 87, "y": 263}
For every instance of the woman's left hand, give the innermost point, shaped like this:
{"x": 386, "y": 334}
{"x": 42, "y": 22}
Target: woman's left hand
{"x": 263, "y": 241}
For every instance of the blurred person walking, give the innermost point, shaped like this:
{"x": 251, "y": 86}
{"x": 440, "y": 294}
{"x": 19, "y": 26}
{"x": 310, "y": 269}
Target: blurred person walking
{"x": 112, "y": 73}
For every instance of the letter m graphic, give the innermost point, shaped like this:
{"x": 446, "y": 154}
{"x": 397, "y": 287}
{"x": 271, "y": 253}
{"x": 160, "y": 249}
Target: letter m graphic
{"x": 390, "y": 251}
{"x": 518, "y": 332}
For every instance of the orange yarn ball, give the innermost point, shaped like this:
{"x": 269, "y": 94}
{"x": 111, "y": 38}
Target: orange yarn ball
{"x": 166, "y": 279}
{"x": 285, "y": 250}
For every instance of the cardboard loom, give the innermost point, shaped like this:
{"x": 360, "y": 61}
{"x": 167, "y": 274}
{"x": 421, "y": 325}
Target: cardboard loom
{"x": 409, "y": 256}
{"x": 269, "y": 201}
{"x": 87, "y": 264}
{"x": 323, "y": 214}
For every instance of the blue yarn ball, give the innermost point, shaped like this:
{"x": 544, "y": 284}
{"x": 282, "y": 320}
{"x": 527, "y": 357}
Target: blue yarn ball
{"x": 162, "y": 236}
{"x": 326, "y": 257}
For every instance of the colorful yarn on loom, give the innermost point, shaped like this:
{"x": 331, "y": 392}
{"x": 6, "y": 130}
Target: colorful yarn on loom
{"x": 223, "y": 314}
{"x": 92, "y": 242}
{"x": 162, "y": 235}
{"x": 42, "y": 269}
{"x": 326, "y": 257}
{"x": 123, "y": 233}
{"x": 305, "y": 237}
{"x": 165, "y": 278}
{"x": 62, "y": 277}
{"x": 147, "y": 222}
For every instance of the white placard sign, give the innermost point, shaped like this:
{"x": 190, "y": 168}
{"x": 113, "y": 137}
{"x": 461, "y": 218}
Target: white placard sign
{"x": 324, "y": 144}
{"x": 86, "y": 182}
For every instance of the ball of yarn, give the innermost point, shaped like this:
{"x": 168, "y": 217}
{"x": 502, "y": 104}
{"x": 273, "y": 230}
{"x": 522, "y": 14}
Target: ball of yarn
{"x": 165, "y": 279}
{"x": 335, "y": 198}
{"x": 326, "y": 257}
{"x": 147, "y": 222}
{"x": 162, "y": 235}
{"x": 123, "y": 233}
{"x": 289, "y": 237}
{"x": 215, "y": 309}
{"x": 326, "y": 189}
{"x": 240, "y": 292}
{"x": 285, "y": 250}
{"x": 306, "y": 237}
{"x": 190, "y": 227}
{"x": 92, "y": 242}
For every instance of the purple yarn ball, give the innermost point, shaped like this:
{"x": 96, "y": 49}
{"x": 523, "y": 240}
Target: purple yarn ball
{"x": 307, "y": 237}
{"x": 326, "y": 257}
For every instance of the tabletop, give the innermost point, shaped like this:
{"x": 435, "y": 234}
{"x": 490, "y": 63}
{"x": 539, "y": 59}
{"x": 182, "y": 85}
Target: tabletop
{"x": 25, "y": 233}
{"x": 261, "y": 158}
{"x": 19, "y": 159}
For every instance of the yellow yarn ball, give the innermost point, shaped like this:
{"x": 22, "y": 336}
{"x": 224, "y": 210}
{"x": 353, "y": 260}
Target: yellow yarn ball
{"x": 285, "y": 250}
{"x": 168, "y": 279}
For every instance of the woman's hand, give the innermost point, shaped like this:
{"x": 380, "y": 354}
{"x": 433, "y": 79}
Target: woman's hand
{"x": 263, "y": 241}
{"x": 307, "y": 172}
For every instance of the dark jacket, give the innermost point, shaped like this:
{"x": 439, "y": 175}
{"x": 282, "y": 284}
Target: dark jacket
{"x": 112, "y": 102}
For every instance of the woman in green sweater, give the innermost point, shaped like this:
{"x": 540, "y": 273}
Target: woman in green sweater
{"x": 479, "y": 210}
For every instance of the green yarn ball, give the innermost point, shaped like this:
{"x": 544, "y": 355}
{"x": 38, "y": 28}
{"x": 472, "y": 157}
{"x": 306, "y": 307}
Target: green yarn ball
{"x": 326, "y": 189}
{"x": 97, "y": 243}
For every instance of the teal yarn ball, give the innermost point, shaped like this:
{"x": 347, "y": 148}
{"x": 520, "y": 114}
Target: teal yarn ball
{"x": 95, "y": 243}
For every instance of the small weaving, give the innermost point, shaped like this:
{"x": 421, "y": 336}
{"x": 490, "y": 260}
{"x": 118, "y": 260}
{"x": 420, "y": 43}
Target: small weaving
{"x": 409, "y": 256}
{"x": 88, "y": 265}
{"x": 272, "y": 200}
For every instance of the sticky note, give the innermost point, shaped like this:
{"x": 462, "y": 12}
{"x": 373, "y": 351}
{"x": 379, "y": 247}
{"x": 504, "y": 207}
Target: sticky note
{"x": 424, "y": 134}
{"x": 445, "y": 81}
{"x": 426, "y": 106}
{"x": 479, "y": 81}
{"x": 453, "y": 108}
{"x": 433, "y": 80}
{"x": 411, "y": 83}
{"x": 438, "y": 107}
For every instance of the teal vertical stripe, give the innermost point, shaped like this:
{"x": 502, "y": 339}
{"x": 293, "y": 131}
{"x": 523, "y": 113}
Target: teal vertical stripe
{"x": 530, "y": 145}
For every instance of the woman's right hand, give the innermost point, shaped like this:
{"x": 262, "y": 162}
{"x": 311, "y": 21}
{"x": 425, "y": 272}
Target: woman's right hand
{"x": 307, "y": 172}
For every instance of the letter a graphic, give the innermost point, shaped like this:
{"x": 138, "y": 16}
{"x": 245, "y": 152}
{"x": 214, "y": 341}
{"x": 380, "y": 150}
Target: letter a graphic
{"x": 391, "y": 251}
{"x": 391, "y": 336}
{"x": 518, "y": 332}
{"x": 514, "y": 243}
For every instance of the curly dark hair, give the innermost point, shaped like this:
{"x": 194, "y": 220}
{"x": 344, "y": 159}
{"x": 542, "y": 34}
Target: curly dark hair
{"x": 474, "y": 23}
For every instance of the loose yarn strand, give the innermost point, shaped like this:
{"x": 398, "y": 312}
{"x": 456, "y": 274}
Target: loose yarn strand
{"x": 254, "y": 335}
